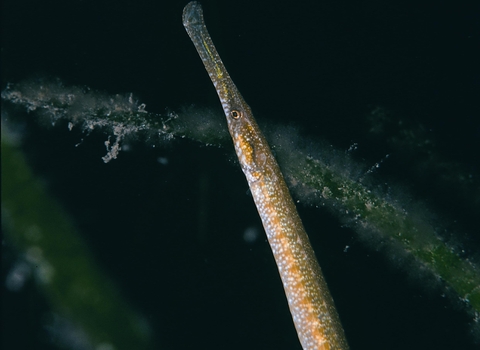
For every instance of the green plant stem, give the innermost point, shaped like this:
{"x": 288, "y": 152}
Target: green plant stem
{"x": 317, "y": 179}
{"x": 40, "y": 229}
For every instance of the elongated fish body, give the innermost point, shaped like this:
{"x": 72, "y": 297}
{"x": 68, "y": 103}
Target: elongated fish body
{"x": 310, "y": 302}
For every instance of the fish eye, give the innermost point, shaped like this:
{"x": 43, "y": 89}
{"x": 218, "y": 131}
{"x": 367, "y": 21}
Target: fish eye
{"x": 235, "y": 114}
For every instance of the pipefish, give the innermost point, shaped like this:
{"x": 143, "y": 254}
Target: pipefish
{"x": 311, "y": 305}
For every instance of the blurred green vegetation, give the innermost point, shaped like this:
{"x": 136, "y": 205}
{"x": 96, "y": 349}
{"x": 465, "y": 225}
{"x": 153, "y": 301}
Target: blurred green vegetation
{"x": 62, "y": 264}
{"x": 322, "y": 177}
